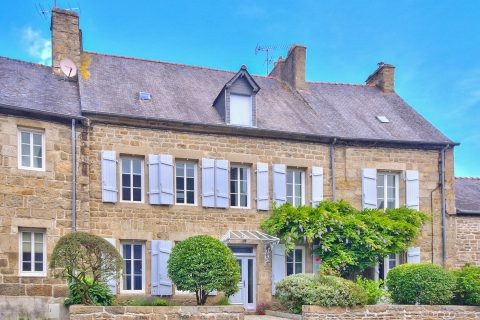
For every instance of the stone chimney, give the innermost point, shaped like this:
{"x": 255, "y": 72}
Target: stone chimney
{"x": 66, "y": 38}
{"x": 383, "y": 77}
{"x": 292, "y": 69}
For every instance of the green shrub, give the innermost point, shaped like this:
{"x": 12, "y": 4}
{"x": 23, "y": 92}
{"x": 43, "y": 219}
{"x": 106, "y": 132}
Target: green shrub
{"x": 421, "y": 283}
{"x": 154, "y": 302}
{"x": 373, "y": 288}
{"x": 202, "y": 264}
{"x": 467, "y": 290}
{"x": 223, "y": 302}
{"x": 327, "y": 291}
{"x": 98, "y": 292}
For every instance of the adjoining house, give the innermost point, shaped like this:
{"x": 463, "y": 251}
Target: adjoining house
{"x": 162, "y": 151}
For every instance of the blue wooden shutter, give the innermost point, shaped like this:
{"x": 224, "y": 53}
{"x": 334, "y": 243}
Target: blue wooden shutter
{"x": 317, "y": 185}
{"x": 161, "y": 285}
{"x": 154, "y": 178}
{"x": 316, "y": 263}
{"x": 279, "y": 265}
{"x": 112, "y": 283}
{"x": 412, "y": 190}
{"x": 221, "y": 184}
{"x": 413, "y": 255}
{"x": 279, "y": 183}
{"x": 208, "y": 182}
{"x": 109, "y": 176}
{"x": 369, "y": 188}
{"x": 166, "y": 179}
{"x": 262, "y": 186}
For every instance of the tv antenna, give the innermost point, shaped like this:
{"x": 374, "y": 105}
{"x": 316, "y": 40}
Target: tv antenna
{"x": 267, "y": 50}
{"x": 44, "y": 12}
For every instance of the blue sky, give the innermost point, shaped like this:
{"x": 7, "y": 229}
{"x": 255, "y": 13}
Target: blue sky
{"x": 435, "y": 45}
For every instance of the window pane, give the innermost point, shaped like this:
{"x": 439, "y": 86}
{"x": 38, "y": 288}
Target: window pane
{"x": 127, "y": 282}
{"x": 37, "y": 162}
{"x": 128, "y": 267}
{"x": 126, "y": 166}
{"x": 289, "y": 190}
{"x": 298, "y": 178}
{"x": 39, "y": 257}
{"x": 380, "y": 180}
{"x": 298, "y": 190}
{"x": 26, "y": 236}
{"x": 25, "y": 149}
{"x": 289, "y": 176}
{"x": 290, "y": 256}
{"x": 137, "y": 181}
{"x": 26, "y": 161}
{"x": 298, "y": 255}
{"x": 391, "y": 180}
{"x": 137, "y": 251}
{"x": 26, "y": 137}
{"x": 380, "y": 204}
{"x": 37, "y": 139}
{"x": 250, "y": 281}
{"x": 127, "y": 253}
{"x": 190, "y": 170}
{"x": 243, "y": 187}
{"x": 26, "y": 256}
{"x": 391, "y": 193}
{"x": 233, "y": 173}
{"x": 138, "y": 283}
{"x": 137, "y": 194}
{"x": 137, "y": 166}
{"x": 233, "y": 187}
{"x": 39, "y": 250}
{"x": 243, "y": 200}
{"x": 233, "y": 199}
{"x": 391, "y": 204}
{"x": 190, "y": 197}
{"x": 126, "y": 180}
{"x": 289, "y": 269}
{"x": 190, "y": 184}
{"x": 290, "y": 199}
{"x": 243, "y": 174}
{"x": 298, "y": 201}
{"x": 179, "y": 169}
{"x": 38, "y": 266}
{"x": 126, "y": 194}
{"x": 298, "y": 267}
{"x": 180, "y": 183}
{"x": 180, "y": 197}
{"x": 137, "y": 267}
{"x": 26, "y": 266}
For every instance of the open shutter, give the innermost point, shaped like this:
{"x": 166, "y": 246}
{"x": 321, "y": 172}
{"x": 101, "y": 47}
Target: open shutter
{"x": 161, "y": 285}
{"x": 413, "y": 255}
{"x": 166, "y": 179}
{"x": 316, "y": 259}
{"x": 369, "y": 188}
{"x": 221, "y": 184}
{"x": 208, "y": 182}
{"x": 109, "y": 176}
{"x": 412, "y": 190}
{"x": 279, "y": 183}
{"x": 279, "y": 267}
{"x": 112, "y": 283}
{"x": 262, "y": 186}
{"x": 317, "y": 185}
{"x": 154, "y": 178}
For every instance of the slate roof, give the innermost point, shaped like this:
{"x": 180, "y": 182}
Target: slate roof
{"x": 467, "y": 195}
{"x": 32, "y": 87}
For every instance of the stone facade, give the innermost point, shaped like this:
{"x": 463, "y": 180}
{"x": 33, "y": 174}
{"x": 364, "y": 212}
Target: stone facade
{"x": 466, "y": 235}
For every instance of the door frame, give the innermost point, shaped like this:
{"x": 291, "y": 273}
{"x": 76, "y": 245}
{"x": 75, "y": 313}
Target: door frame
{"x": 245, "y": 257}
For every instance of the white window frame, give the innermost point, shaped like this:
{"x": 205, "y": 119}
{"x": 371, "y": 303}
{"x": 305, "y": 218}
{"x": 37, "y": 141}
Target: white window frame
{"x": 302, "y": 177}
{"x": 142, "y": 167}
{"x": 21, "y": 272}
{"x": 385, "y": 188}
{"x": 122, "y": 290}
{"x": 250, "y": 124}
{"x": 19, "y": 148}
{"x": 386, "y": 264}
{"x": 195, "y": 183}
{"x": 294, "y": 261}
{"x": 238, "y": 186}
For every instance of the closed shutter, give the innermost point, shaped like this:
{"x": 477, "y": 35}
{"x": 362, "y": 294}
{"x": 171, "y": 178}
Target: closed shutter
{"x": 262, "y": 186}
{"x": 109, "y": 176}
{"x": 279, "y": 183}
{"x": 112, "y": 283}
{"x": 369, "y": 188}
{"x": 413, "y": 255}
{"x": 279, "y": 267}
{"x": 208, "y": 183}
{"x": 161, "y": 285}
{"x": 221, "y": 184}
{"x": 317, "y": 185}
{"x": 316, "y": 260}
{"x": 154, "y": 178}
{"x": 412, "y": 190}
{"x": 166, "y": 179}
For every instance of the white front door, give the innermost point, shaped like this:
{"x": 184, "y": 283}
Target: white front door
{"x": 246, "y": 295}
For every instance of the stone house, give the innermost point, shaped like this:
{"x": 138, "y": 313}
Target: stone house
{"x": 163, "y": 151}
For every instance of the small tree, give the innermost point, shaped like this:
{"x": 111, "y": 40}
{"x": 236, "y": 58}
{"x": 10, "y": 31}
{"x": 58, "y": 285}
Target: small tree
{"x": 202, "y": 264}
{"x": 85, "y": 259}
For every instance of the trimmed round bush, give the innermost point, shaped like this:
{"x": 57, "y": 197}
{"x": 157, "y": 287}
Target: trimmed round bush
{"x": 308, "y": 289}
{"x": 422, "y": 283}
{"x": 467, "y": 289}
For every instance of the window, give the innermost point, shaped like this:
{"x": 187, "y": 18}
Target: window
{"x": 185, "y": 182}
{"x": 390, "y": 262}
{"x": 387, "y": 190}
{"x": 32, "y": 253}
{"x": 240, "y": 186}
{"x": 295, "y": 187}
{"x": 31, "y": 149}
{"x": 240, "y": 110}
{"x": 296, "y": 261}
{"x": 132, "y": 179}
{"x": 133, "y": 254}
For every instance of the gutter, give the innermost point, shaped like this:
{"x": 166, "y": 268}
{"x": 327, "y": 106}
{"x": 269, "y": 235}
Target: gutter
{"x": 40, "y": 112}
{"x": 443, "y": 203}
{"x": 468, "y": 212}
{"x": 74, "y": 176}
{"x": 332, "y": 168}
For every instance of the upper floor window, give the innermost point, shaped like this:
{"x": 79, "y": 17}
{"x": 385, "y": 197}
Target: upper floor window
{"x": 31, "y": 149}
{"x": 296, "y": 261}
{"x": 32, "y": 252}
{"x": 185, "y": 182}
{"x": 240, "y": 110}
{"x": 132, "y": 179}
{"x": 387, "y": 190}
{"x": 296, "y": 187}
{"x": 239, "y": 186}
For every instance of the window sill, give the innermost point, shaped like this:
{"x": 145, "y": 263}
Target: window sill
{"x": 186, "y": 204}
{"x": 31, "y": 169}
{"x": 132, "y": 292}
{"x": 32, "y": 275}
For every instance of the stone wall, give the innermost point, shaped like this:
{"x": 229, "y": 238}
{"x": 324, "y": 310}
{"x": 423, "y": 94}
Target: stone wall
{"x": 164, "y": 313}
{"x": 467, "y": 240}
{"x": 25, "y": 308}
{"x": 397, "y": 312}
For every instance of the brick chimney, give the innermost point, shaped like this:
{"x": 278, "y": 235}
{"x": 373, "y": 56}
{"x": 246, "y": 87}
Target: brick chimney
{"x": 66, "y": 38}
{"x": 292, "y": 69}
{"x": 383, "y": 77}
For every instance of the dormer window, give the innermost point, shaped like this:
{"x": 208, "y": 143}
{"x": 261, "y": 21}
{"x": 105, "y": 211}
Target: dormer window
{"x": 240, "y": 110}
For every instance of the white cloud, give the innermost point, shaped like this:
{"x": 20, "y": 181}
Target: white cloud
{"x": 37, "y": 47}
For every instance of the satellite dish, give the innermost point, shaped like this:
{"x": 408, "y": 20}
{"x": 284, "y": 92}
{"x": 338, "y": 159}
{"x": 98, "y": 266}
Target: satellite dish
{"x": 68, "y": 68}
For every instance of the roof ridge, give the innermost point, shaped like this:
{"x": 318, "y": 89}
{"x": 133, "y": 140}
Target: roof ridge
{"x": 468, "y": 178}
{"x": 168, "y": 62}
{"x": 26, "y": 62}
{"x": 342, "y": 84}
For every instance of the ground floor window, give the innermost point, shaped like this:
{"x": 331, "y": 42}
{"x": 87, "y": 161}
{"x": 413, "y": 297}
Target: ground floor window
{"x": 296, "y": 261}
{"x": 32, "y": 252}
{"x": 387, "y": 264}
{"x": 133, "y": 278}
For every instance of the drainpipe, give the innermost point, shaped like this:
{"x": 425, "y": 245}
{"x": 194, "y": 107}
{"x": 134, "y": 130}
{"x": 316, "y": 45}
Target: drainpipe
{"x": 332, "y": 168}
{"x": 444, "y": 210}
{"x": 74, "y": 177}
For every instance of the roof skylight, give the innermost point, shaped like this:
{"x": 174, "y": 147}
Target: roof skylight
{"x": 382, "y": 119}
